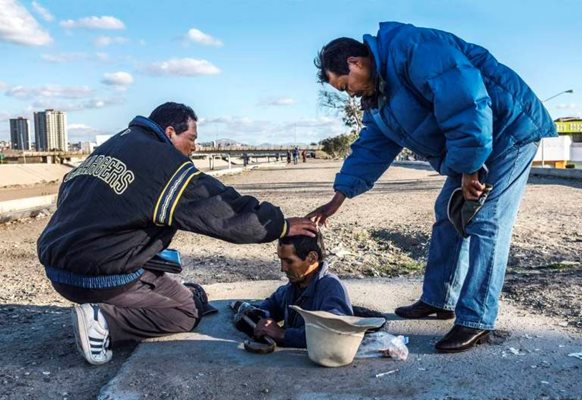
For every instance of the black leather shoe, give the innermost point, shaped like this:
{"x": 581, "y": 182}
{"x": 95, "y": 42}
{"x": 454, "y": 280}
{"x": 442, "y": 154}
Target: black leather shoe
{"x": 423, "y": 310}
{"x": 461, "y": 338}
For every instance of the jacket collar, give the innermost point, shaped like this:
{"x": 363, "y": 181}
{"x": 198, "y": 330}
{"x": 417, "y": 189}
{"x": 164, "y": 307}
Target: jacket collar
{"x": 378, "y": 46}
{"x": 372, "y": 44}
{"x": 148, "y": 124}
{"x": 320, "y": 273}
{"x": 368, "y": 102}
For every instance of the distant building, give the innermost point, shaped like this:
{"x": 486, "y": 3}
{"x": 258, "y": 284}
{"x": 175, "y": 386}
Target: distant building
{"x": 567, "y": 147}
{"x": 570, "y": 126}
{"x": 50, "y": 129}
{"x": 87, "y": 147}
{"x": 20, "y": 133}
{"x": 74, "y": 147}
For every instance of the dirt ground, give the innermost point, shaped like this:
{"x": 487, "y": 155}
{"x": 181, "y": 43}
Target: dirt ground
{"x": 382, "y": 233}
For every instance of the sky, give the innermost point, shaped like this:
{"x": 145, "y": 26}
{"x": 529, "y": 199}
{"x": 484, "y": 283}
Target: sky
{"x": 246, "y": 66}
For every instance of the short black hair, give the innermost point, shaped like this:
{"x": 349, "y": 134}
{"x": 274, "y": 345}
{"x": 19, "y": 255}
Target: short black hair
{"x": 173, "y": 114}
{"x": 333, "y": 57}
{"x": 305, "y": 244}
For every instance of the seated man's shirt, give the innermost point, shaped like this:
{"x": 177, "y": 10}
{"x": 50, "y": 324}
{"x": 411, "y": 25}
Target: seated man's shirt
{"x": 325, "y": 292}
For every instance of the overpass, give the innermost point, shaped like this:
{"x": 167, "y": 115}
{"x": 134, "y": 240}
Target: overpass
{"x": 60, "y": 157}
{"x": 246, "y": 153}
{"x": 251, "y": 150}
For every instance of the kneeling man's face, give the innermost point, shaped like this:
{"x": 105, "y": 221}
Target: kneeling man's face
{"x": 296, "y": 269}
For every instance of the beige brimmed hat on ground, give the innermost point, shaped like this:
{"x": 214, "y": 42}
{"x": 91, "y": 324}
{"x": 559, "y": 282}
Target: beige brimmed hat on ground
{"x": 333, "y": 340}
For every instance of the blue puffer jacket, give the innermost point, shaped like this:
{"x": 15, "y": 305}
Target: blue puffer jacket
{"x": 443, "y": 98}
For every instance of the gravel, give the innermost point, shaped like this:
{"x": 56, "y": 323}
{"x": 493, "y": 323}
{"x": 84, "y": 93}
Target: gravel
{"x": 384, "y": 233}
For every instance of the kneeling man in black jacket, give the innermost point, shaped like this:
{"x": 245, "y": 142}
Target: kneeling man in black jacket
{"x": 121, "y": 207}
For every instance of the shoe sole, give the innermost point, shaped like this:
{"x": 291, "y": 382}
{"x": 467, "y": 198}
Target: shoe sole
{"x": 438, "y": 315}
{"x": 482, "y": 339}
{"x": 442, "y": 315}
{"x": 83, "y": 346}
{"x": 78, "y": 324}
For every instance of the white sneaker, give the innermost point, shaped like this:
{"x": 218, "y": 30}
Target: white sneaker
{"x": 91, "y": 333}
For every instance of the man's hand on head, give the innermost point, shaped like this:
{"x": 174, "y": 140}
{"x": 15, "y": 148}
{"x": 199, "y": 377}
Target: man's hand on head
{"x": 301, "y": 227}
{"x": 268, "y": 327}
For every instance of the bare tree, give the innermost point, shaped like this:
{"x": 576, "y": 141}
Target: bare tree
{"x": 349, "y": 109}
{"x": 342, "y": 104}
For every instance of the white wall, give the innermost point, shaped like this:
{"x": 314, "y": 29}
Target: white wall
{"x": 576, "y": 152}
{"x": 30, "y": 174}
{"x": 554, "y": 149}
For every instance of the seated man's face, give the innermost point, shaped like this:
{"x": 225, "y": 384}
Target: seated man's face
{"x": 296, "y": 269}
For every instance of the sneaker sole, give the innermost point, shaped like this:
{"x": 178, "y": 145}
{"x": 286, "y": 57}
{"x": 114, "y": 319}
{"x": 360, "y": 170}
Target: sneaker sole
{"x": 83, "y": 347}
{"x": 78, "y": 324}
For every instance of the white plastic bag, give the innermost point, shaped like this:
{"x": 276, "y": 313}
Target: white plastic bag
{"x": 383, "y": 344}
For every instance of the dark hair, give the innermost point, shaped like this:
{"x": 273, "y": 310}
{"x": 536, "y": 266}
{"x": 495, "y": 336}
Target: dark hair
{"x": 333, "y": 57}
{"x": 172, "y": 114}
{"x": 304, "y": 244}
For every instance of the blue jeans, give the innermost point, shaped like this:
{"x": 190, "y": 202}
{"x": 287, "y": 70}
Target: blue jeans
{"x": 466, "y": 275}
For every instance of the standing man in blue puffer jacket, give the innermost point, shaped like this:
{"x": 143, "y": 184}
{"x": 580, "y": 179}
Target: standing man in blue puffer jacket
{"x": 476, "y": 121}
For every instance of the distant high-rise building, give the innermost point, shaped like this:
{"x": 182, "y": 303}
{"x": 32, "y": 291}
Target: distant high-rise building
{"x": 50, "y": 130}
{"x": 20, "y": 133}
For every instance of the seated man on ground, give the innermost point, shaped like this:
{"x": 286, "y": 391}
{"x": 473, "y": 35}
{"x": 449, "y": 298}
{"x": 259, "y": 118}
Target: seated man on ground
{"x": 311, "y": 286}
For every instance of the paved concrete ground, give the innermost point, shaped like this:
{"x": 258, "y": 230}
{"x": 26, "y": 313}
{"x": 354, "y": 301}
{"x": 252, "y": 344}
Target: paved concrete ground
{"x": 210, "y": 363}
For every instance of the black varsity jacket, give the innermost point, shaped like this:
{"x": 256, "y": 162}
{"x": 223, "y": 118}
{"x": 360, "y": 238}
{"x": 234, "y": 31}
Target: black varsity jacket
{"x": 126, "y": 201}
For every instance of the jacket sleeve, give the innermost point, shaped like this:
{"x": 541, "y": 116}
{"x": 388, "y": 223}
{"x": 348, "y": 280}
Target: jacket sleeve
{"x": 333, "y": 298}
{"x": 372, "y": 153}
{"x": 274, "y": 304}
{"x": 196, "y": 202}
{"x": 462, "y": 107}
{"x": 293, "y": 337}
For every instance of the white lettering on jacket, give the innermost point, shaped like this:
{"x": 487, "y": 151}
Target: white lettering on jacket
{"x": 110, "y": 170}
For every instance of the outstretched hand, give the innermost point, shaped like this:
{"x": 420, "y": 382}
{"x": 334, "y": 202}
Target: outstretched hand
{"x": 320, "y": 215}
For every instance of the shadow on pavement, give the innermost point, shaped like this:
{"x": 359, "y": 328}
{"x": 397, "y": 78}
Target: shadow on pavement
{"x": 39, "y": 358}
